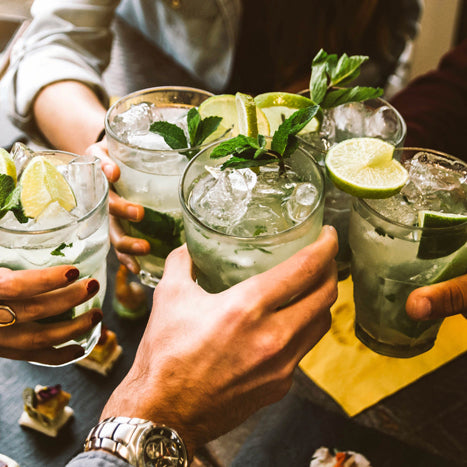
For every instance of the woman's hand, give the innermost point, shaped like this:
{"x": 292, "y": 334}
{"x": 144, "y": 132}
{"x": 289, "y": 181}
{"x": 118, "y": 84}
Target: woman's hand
{"x": 125, "y": 246}
{"x": 36, "y": 294}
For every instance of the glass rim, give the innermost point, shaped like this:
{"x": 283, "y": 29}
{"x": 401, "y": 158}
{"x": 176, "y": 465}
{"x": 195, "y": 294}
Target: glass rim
{"x": 415, "y": 228}
{"x": 267, "y": 237}
{"x": 98, "y": 205}
{"x": 382, "y": 100}
{"x": 156, "y": 89}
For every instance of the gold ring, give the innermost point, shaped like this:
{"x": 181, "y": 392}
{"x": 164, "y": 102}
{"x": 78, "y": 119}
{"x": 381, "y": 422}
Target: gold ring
{"x": 13, "y": 316}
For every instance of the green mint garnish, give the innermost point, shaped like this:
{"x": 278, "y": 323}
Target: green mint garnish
{"x": 58, "y": 251}
{"x": 329, "y": 71}
{"x": 10, "y": 198}
{"x": 198, "y": 130}
{"x": 246, "y": 151}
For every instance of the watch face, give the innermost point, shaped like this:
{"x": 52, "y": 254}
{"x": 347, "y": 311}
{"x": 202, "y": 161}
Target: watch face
{"x": 163, "y": 448}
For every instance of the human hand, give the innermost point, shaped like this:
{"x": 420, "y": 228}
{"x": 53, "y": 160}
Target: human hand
{"x": 208, "y": 361}
{"x": 439, "y": 300}
{"x": 119, "y": 208}
{"x": 35, "y": 294}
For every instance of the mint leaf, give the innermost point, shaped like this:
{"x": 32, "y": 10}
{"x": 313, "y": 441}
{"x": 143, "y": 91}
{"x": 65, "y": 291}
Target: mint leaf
{"x": 346, "y": 70}
{"x": 173, "y": 135}
{"x": 346, "y": 95}
{"x": 12, "y": 201}
{"x": 193, "y": 120}
{"x": 236, "y": 146}
{"x": 206, "y": 128}
{"x": 329, "y": 72}
{"x": 291, "y": 126}
{"x": 7, "y": 185}
{"x": 58, "y": 251}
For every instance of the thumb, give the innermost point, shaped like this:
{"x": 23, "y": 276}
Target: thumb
{"x": 438, "y": 300}
{"x": 178, "y": 266}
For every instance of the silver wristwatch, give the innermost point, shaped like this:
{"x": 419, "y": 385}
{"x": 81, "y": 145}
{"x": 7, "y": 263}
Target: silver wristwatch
{"x": 139, "y": 442}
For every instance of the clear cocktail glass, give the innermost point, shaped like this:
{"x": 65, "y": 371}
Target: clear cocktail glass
{"x": 241, "y": 222}
{"x": 150, "y": 170}
{"x": 371, "y": 118}
{"x": 415, "y": 238}
{"x": 79, "y": 237}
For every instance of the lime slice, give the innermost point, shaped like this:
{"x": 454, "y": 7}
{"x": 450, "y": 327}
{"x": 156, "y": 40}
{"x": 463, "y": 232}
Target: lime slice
{"x": 246, "y": 114}
{"x": 7, "y": 166}
{"x": 224, "y": 105}
{"x": 364, "y": 167}
{"x": 278, "y": 106}
{"x": 436, "y": 244}
{"x": 42, "y": 184}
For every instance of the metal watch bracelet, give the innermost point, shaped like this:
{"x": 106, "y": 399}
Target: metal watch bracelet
{"x": 124, "y": 437}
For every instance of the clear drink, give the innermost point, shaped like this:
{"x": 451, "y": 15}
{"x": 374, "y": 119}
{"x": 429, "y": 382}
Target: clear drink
{"x": 412, "y": 239}
{"x": 79, "y": 237}
{"x": 372, "y": 118}
{"x": 241, "y": 222}
{"x": 150, "y": 169}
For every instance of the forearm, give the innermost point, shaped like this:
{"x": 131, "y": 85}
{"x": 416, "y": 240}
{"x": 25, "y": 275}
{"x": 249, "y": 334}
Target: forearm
{"x": 69, "y": 115}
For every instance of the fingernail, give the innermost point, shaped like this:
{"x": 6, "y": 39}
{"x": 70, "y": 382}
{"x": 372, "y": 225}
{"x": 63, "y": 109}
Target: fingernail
{"x": 92, "y": 287}
{"x": 72, "y": 275}
{"x": 132, "y": 213}
{"x": 108, "y": 170}
{"x": 140, "y": 247}
{"x": 96, "y": 318}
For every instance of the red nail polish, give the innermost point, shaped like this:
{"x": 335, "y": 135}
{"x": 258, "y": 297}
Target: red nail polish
{"x": 96, "y": 318}
{"x": 72, "y": 275}
{"x": 92, "y": 287}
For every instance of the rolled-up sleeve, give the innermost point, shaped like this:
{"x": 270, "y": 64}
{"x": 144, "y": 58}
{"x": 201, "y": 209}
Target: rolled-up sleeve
{"x": 66, "y": 40}
{"x": 97, "y": 459}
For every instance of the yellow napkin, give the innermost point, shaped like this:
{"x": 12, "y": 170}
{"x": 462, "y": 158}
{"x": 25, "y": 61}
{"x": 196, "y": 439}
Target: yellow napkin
{"x": 355, "y": 376}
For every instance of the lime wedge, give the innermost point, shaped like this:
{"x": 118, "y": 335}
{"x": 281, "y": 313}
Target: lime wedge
{"x": 7, "y": 166}
{"x": 246, "y": 114}
{"x": 278, "y": 106}
{"x": 364, "y": 167}
{"x": 42, "y": 184}
{"x": 436, "y": 244}
{"x": 225, "y": 106}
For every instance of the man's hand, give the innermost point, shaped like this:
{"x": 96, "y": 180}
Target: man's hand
{"x": 35, "y": 294}
{"x": 125, "y": 246}
{"x": 208, "y": 361}
{"x": 439, "y": 300}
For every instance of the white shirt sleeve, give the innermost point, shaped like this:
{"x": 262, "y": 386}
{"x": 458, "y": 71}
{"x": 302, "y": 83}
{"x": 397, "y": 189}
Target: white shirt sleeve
{"x": 66, "y": 40}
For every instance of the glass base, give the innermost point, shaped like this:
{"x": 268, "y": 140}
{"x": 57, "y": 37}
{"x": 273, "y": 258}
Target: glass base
{"x": 148, "y": 279}
{"x": 87, "y": 342}
{"x": 391, "y": 350}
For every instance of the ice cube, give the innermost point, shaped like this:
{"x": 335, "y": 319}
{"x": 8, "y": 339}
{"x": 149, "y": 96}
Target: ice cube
{"x": 54, "y": 215}
{"x": 258, "y": 220}
{"x": 383, "y": 123}
{"x": 223, "y": 201}
{"x": 136, "y": 119}
{"x": 436, "y": 184}
{"x": 300, "y": 204}
{"x": 148, "y": 140}
{"x": 21, "y": 155}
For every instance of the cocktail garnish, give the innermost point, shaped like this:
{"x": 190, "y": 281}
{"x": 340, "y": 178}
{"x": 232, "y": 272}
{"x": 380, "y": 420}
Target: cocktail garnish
{"x": 329, "y": 71}
{"x": 198, "y": 130}
{"x": 246, "y": 151}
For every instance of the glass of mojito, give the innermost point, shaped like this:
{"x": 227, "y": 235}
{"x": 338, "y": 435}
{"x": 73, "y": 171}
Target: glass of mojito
{"x": 412, "y": 239}
{"x": 150, "y": 167}
{"x": 372, "y": 118}
{"x": 59, "y": 216}
{"x": 242, "y": 221}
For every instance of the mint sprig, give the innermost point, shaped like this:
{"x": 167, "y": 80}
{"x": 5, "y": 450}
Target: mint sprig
{"x": 10, "y": 198}
{"x": 328, "y": 71}
{"x": 198, "y": 130}
{"x": 245, "y": 151}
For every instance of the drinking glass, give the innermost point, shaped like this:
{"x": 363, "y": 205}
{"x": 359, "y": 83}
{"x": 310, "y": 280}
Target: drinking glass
{"x": 394, "y": 251}
{"x": 371, "y": 118}
{"x": 149, "y": 170}
{"x": 80, "y": 238}
{"x": 242, "y": 222}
